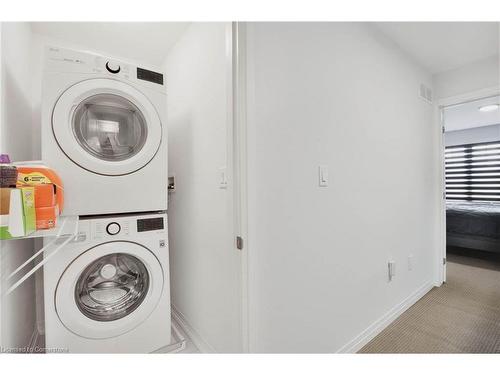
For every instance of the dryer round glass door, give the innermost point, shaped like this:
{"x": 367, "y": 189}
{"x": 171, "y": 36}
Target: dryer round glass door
{"x": 109, "y": 290}
{"x": 109, "y": 127}
{"x": 106, "y": 127}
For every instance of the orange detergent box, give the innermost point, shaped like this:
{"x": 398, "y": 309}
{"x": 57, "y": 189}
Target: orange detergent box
{"x": 45, "y": 195}
{"x": 38, "y": 174}
{"x": 46, "y": 209}
{"x": 46, "y": 217}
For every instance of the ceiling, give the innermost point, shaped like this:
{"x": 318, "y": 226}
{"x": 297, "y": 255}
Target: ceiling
{"x": 467, "y": 115}
{"x": 442, "y": 46}
{"x": 137, "y": 41}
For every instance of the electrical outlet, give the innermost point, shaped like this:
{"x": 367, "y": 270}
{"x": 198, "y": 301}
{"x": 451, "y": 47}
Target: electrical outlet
{"x": 410, "y": 262}
{"x": 171, "y": 184}
{"x": 391, "y": 269}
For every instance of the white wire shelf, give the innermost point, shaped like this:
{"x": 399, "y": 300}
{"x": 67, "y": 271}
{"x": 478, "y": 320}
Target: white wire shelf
{"x": 66, "y": 225}
{"x": 64, "y": 232}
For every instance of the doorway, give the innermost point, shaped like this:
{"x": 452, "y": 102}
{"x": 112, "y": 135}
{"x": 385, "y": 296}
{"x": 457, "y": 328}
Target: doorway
{"x": 471, "y": 180}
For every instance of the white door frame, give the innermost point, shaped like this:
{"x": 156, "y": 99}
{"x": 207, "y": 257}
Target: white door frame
{"x": 239, "y": 167}
{"x": 441, "y": 104}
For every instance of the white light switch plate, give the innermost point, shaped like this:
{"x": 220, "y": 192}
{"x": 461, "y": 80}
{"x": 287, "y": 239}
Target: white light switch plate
{"x": 323, "y": 175}
{"x": 392, "y": 269}
{"x": 222, "y": 178}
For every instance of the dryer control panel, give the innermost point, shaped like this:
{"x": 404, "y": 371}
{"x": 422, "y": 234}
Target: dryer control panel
{"x": 61, "y": 60}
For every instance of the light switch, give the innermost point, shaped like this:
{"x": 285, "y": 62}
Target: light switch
{"x": 323, "y": 175}
{"x": 391, "y": 269}
{"x": 223, "y": 178}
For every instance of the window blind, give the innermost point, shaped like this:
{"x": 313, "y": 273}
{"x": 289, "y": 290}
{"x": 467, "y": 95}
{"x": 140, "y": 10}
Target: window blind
{"x": 473, "y": 172}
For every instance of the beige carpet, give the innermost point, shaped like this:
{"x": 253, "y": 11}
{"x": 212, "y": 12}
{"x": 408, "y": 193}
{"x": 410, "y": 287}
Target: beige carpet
{"x": 462, "y": 316}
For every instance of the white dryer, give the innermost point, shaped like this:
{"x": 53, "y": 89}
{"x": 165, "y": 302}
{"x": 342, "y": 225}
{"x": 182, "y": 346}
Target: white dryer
{"x": 108, "y": 291}
{"x": 104, "y": 132}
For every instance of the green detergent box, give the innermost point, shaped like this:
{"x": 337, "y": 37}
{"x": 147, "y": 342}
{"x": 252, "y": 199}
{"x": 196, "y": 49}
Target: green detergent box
{"x": 17, "y": 217}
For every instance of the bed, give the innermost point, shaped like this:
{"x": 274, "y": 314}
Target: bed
{"x": 473, "y": 225}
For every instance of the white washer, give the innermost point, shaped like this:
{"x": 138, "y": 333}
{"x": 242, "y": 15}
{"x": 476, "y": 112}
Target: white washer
{"x": 108, "y": 290}
{"x": 104, "y": 132}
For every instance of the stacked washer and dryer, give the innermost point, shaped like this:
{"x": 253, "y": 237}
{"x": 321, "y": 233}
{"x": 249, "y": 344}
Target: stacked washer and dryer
{"x": 104, "y": 132}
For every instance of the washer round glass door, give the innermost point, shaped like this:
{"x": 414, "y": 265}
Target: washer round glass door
{"x": 109, "y": 290}
{"x": 106, "y": 127}
{"x": 111, "y": 287}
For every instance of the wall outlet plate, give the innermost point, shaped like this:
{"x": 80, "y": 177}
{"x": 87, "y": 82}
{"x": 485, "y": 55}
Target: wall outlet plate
{"x": 323, "y": 175}
{"x": 171, "y": 184}
{"x": 222, "y": 178}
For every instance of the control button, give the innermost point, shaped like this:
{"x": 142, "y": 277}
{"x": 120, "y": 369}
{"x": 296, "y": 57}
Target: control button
{"x": 113, "y": 228}
{"x": 112, "y": 67}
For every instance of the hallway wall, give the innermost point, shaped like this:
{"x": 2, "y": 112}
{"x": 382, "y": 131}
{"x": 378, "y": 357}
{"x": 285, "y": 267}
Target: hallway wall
{"x": 341, "y": 95}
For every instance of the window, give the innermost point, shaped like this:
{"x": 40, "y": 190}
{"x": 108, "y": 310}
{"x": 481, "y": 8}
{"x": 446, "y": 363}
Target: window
{"x": 473, "y": 172}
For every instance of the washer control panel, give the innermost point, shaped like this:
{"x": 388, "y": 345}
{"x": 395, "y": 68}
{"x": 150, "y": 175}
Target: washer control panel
{"x": 145, "y": 225}
{"x": 113, "y": 228}
{"x": 110, "y": 228}
{"x": 125, "y": 226}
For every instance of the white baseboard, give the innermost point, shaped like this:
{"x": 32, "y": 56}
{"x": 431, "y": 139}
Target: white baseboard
{"x": 192, "y": 334}
{"x": 373, "y": 330}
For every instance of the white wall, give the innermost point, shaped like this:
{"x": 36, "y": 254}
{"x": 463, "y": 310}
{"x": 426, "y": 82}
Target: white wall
{"x": 335, "y": 94}
{"x": 18, "y": 309}
{"x": 205, "y": 266}
{"x": 476, "y": 76}
{"x": 475, "y": 135}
